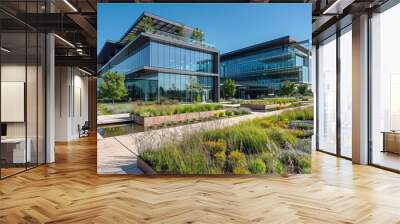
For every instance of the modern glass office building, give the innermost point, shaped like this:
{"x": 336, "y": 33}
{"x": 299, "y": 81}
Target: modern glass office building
{"x": 260, "y": 69}
{"x": 163, "y": 64}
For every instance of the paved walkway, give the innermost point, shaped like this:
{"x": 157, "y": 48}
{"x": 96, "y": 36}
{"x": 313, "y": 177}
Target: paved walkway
{"x": 114, "y": 158}
{"x": 119, "y": 154}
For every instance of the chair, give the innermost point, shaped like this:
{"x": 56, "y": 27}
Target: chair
{"x": 84, "y": 130}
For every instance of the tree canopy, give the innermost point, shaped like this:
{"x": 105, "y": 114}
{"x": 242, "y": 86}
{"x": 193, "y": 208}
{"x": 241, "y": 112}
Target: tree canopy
{"x": 113, "y": 86}
{"x": 288, "y": 88}
{"x": 303, "y": 89}
{"x": 229, "y": 88}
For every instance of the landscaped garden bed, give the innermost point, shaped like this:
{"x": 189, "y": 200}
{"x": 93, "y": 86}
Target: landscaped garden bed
{"x": 268, "y": 145}
{"x": 173, "y": 118}
{"x": 158, "y": 115}
{"x": 269, "y": 104}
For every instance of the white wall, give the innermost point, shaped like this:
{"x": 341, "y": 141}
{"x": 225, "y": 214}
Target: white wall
{"x": 71, "y": 102}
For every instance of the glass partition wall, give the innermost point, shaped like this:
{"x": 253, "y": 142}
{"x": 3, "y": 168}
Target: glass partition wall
{"x": 385, "y": 89}
{"x": 22, "y": 76}
{"x": 334, "y": 94}
{"x": 327, "y": 95}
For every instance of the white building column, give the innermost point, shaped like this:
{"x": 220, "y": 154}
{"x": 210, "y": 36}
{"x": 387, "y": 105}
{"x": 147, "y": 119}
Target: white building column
{"x": 50, "y": 98}
{"x": 360, "y": 90}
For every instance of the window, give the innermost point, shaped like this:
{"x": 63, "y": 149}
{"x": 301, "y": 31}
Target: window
{"x": 346, "y": 92}
{"x": 327, "y": 95}
{"x": 385, "y": 89}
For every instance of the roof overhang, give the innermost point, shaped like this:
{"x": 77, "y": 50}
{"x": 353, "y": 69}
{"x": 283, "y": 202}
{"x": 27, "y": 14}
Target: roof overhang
{"x": 159, "y": 23}
{"x": 286, "y": 40}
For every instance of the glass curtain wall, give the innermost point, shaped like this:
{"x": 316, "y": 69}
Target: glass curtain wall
{"x": 346, "y": 92}
{"x": 185, "y": 88}
{"x": 166, "y": 56}
{"x": 22, "y": 94}
{"x": 385, "y": 89}
{"x": 168, "y": 86}
{"x": 327, "y": 95}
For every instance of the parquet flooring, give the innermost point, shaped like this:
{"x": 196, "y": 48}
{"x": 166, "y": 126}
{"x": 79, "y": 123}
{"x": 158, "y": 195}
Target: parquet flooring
{"x": 70, "y": 191}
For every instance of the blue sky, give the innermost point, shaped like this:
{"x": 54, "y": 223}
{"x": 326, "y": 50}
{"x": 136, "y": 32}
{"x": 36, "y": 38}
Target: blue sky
{"x": 228, "y": 26}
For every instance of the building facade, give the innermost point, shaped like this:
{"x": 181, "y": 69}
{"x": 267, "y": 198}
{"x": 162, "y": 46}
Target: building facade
{"x": 260, "y": 69}
{"x": 164, "y": 64}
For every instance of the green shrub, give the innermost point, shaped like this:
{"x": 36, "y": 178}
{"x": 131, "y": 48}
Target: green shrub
{"x": 220, "y": 158}
{"x": 282, "y": 123}
{"x": 296, "y": 133}
{"x": 301, "y": 114}
{"x": 269, "y": 101}
{"x": 213, "y": 135}
{"x": 239, "y": 111}
{"x": 257, "y": 166}
{"x": 281, "y": 136}
{"x": 305, "y": 164}
{"x": 229, "y": 113}
{"x": 117, "y": 108}
{"x": 303, "y": 146}
{"x": 272, "y": 164}
{"x": 221, "y": 114}
{"x": 197, "y": 98}
{"x": 240, "y": 170}
{"x": 162, "y": 160}
{"x": 193, "y": 163}
{"x": 303, "y": 126}
{"x": 247, "y": 138}
{"x": 279, "y": 169}
{"x": 214, "y": 147}
{"x": 291, "y": 160}
{"x": 160, "y": 110}
{"x": 265, "y": 123}
{"x": 215, "y": 170}
{"x": 237, "y": 159}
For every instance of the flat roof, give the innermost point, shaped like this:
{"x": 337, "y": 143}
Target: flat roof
{"x": 286, "y": 40}
{"x": 159, "y": 23}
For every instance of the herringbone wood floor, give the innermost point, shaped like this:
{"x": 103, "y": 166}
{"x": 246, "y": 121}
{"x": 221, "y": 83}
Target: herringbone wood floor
{"x": 70, "y": 191}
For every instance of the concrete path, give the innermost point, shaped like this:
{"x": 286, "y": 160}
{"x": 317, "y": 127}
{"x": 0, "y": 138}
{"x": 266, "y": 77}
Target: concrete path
{"x": 119, "y": 154}
{"x": 114, "y": 158}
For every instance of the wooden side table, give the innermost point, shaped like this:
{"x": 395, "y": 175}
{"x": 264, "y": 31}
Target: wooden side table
{"x": 391, "y": 141}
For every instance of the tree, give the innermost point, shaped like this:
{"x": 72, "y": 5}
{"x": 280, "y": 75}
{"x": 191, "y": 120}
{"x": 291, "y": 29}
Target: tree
{"x": 181, "y": 30}
{"x": 146, "y": 25}
{"x": 113, "y": 86}
{"x": 229, "y": 88}
{"x": 288, "y": 88}
{"x": 198, "y": 35}
{"x": 196, "y": 88}
{"x": 302, "y": 89}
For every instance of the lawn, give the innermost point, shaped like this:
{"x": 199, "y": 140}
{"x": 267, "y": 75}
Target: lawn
{"x": 269, "y": 145}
